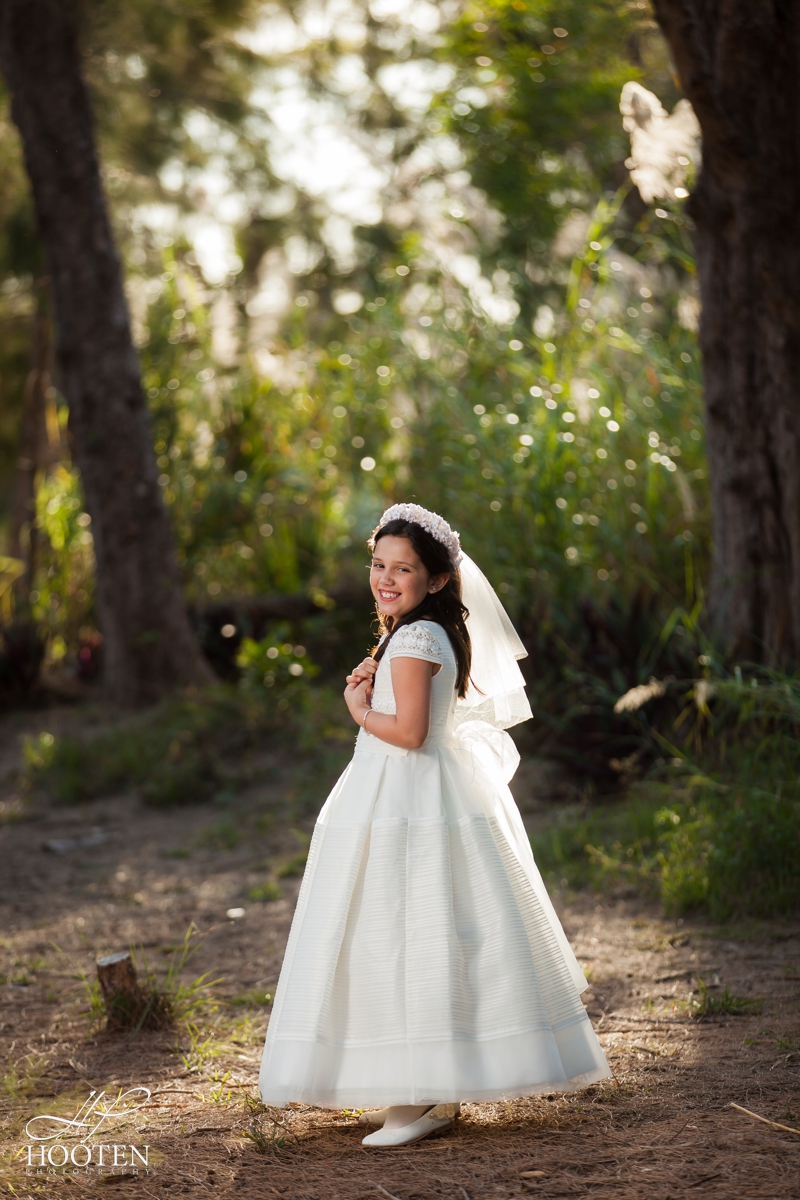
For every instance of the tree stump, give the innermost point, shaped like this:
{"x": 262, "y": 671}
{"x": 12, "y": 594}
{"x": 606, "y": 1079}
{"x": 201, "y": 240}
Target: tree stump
{"x": 123, "y": 998}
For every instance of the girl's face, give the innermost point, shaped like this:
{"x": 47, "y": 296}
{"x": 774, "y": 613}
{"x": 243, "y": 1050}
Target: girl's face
{"x": 398, "y": 578}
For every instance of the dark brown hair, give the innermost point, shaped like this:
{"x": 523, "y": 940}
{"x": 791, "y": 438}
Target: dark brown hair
{"x": 445, "y": 607}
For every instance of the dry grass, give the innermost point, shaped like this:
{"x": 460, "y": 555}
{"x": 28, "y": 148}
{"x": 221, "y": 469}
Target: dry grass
{"x": 662, "y": 1130}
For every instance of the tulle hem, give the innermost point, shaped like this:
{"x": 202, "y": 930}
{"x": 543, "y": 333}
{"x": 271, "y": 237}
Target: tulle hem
{"x": 371, "y": 1076}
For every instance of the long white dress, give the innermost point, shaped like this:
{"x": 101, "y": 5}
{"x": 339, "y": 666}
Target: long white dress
{"x": 425, "y": 962}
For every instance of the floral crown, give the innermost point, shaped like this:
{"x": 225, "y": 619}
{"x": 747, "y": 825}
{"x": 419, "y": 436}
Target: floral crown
{"x": 431, "y": 522}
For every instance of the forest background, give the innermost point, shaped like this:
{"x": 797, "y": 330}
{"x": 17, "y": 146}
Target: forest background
{"x": 419, "y": 251}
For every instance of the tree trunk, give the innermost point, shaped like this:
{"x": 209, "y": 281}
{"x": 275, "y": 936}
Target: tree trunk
{"x": 149, "y": 646}
{"x": 738, "y": 63}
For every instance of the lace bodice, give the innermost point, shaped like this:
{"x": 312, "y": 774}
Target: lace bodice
{"x": 428, "y": 641}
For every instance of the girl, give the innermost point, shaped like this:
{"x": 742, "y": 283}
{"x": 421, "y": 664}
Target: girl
{"x": 426, "y": 964}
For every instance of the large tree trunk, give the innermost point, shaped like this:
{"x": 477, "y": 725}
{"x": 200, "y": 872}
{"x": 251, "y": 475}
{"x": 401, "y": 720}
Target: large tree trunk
{"x": 739, "y": 65}
{"x": 149, "y": 646}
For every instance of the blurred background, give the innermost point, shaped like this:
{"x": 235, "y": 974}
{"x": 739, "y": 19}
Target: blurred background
{"x": 382, "y": 252}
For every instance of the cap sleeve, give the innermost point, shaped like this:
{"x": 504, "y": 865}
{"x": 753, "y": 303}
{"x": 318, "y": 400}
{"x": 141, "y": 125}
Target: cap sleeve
{"x": 415, "y": 641}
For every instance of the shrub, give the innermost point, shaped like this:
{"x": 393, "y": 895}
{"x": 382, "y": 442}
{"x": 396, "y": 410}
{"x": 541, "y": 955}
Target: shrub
{"x": 274, "y": 663}
{"x": 719, "y": 833}
{"x": 172, "y": 753}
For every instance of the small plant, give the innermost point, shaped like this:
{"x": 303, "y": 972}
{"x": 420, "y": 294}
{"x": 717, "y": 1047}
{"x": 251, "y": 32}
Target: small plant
{"x": 21, "y": 1078}
{"x": 273, "y": 1138}
{"x": 707, "y": 1005}
{"x": 155, "y": 1002}
{"x": 96, "y": 1011}
{"x": 253, "y": 998}
{"x": 252, "y": 1104}
{"x": 195, "y": 1000}
{"x": 789, "y": 1042}
{"x": 295, "y": 864}
{"x": 202, "y": 1049}
{"x": 223, "y": 835}
{"x": 264, "y": 892}
{"x": 220, "y": 1094}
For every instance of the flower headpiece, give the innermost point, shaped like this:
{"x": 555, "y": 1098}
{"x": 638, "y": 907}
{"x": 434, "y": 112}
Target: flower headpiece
{"x": 431, "y": 522}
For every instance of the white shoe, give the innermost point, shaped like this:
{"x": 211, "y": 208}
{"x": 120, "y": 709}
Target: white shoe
{"x": 423, "y": 1127}
{"x": 375, "y": 1116}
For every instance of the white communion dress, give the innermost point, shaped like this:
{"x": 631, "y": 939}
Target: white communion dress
{"x": 426, "y": 963}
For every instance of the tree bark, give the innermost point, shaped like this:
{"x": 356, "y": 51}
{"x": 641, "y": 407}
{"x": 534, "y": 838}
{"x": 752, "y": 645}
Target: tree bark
{"x": 738, "y": 62}
{"x": 123, "y": 998}
{"x": 149, "y": 646}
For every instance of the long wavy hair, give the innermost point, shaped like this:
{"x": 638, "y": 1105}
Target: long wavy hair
{"x": 445, "y": 607}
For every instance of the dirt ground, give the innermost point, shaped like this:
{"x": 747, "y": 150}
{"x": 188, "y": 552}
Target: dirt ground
{"x": 79, "y": 882}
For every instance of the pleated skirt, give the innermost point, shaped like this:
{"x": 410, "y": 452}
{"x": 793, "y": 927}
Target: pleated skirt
{"x": 425, "y": 962}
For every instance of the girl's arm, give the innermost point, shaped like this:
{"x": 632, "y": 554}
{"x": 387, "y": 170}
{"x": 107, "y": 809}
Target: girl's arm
{"x": 408, "y": 727}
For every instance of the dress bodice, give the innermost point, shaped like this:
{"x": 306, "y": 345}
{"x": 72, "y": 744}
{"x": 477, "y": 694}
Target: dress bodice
{"x": 428, "y": 641}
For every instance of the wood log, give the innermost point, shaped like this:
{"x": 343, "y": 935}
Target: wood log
{"x": 123, "y": 998}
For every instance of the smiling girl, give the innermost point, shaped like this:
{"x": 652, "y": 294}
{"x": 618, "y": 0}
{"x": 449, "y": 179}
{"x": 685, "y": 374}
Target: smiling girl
{"x": 426, "y": 964}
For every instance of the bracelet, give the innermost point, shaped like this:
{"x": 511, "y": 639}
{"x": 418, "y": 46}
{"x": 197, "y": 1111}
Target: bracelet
{"x": 364, "y": 719}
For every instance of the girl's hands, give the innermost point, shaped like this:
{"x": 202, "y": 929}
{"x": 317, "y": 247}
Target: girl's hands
{"x": 411, "y": 680}
{"x": 357, "y": 696}
{"x": 358, "y": 693}
{"x": 364, "y": 671}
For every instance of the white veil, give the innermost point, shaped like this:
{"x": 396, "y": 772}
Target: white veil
{"x": 496, "y": 693}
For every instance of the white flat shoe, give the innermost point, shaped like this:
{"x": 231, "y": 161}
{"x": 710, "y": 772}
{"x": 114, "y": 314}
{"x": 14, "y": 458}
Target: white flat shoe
{"x": 423, "y": 1127}
{"x": 375, "y": 1116}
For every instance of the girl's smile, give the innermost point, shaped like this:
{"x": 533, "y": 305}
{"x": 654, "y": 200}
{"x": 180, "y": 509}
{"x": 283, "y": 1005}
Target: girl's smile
{"x": 398, "y": 577}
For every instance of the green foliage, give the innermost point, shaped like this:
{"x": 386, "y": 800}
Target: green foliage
{"x": 272, "y": 484}
{"x": 707, "y": 1004}
{"x": 535, "y": 105}
{"x": 254, "y": 998}
{"x": 171, "y": 753}
{"x": 182, "y": 751}
{"x": 22, "y": 1077}
{"x": 273, "y": 663}
{"x": 616, "y": 844}
{"x": 295, "y": 864}
{"x": 159, "y": 1001}
{"x": 264, "y": 892}
{"x": 512, "y": 434}
{"x": 267, "y": 1131}
{"x": 63, "y": 597}
{"x": 151, "y": 64}
{"x": 223, "y": 835}
{"x": 719, "y": 835}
